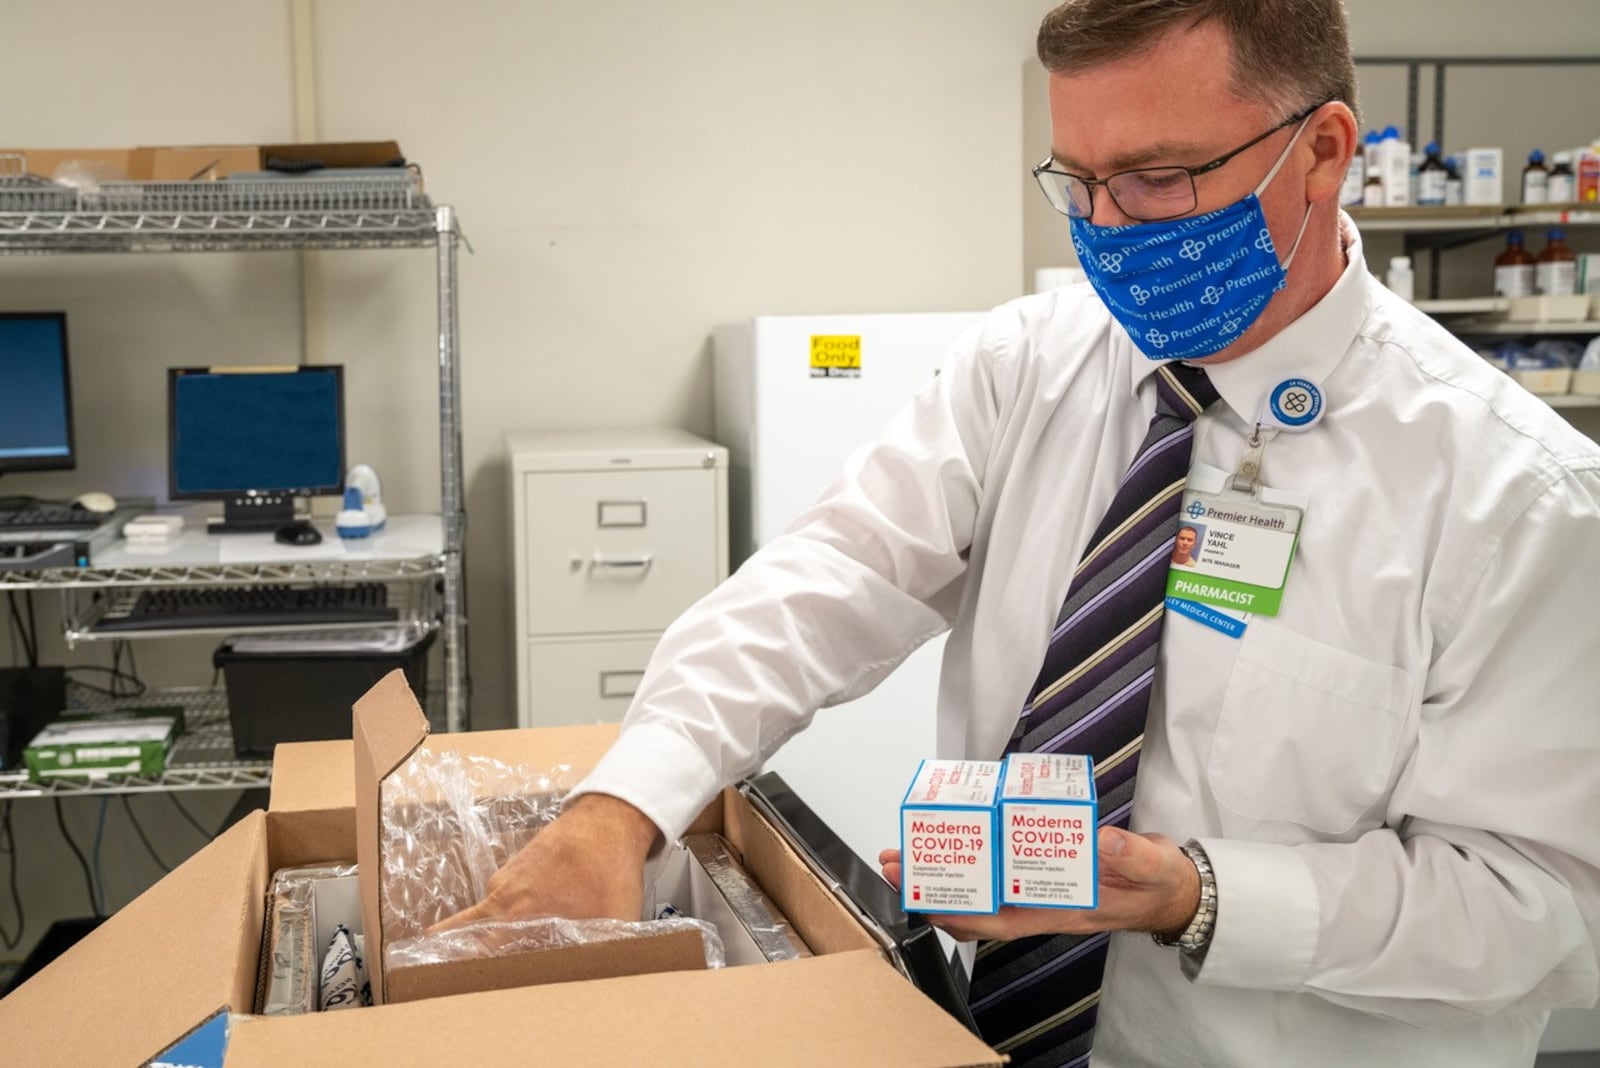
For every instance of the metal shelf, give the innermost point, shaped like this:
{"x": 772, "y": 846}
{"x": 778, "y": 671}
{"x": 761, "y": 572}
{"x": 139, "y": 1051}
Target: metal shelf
{"x": 416, "y": 605}
{"x": 203, "y": 759}
{"x": 225, "y": 574}
{"x": 1513, "y": 328}
{"x": 304, "y": 227}
{"x": 1464, "y": 306}
{"x": 88, "y": 231}
{"x": 1460, "y": 218}
{"x": 1571, "y": 400}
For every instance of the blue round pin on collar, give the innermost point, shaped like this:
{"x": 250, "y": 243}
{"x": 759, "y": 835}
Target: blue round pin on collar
{"x": 1294, "y": 404}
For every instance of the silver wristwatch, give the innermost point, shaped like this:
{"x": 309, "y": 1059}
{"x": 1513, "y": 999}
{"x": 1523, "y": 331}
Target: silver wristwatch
{"x": 1197, "y": 936}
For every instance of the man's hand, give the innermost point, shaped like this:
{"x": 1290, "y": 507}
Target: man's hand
{"x": 588, "y": 864}
{"x": 1146, "y": 884}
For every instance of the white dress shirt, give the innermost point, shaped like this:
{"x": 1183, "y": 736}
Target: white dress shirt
{"x": 1397, "y": 778}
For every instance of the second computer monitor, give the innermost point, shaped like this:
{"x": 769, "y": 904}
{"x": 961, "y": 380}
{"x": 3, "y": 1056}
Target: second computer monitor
{"x": 255, "y": 439}
{"x": 35, "y": 393}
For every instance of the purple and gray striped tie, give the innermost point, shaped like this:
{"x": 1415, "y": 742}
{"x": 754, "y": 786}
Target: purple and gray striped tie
{"x": 1035, "y": 998}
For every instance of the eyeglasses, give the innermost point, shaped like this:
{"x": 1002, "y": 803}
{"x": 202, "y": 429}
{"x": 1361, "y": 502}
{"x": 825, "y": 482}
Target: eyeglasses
{"x": 1148, "y": 194}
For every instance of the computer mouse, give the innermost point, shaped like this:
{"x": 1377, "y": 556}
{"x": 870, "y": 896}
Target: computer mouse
{"x": 96, "y": 502}
{"x": 298, "y": 534}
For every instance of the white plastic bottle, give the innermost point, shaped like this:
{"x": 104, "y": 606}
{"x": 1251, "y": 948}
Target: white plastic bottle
{"x": 1400, "y": 279}
{"x": 1396, "y": 169}
{"x": 1372, "y": 158}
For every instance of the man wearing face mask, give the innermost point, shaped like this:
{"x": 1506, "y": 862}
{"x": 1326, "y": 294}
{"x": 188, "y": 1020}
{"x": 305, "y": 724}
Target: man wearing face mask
{"x": 1354, "y": 742}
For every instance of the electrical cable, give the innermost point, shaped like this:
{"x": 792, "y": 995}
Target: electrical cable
{"x": 72, "y": 843}
{"x": 21, "y": 629}
{"x": 33, "y": 627}
{"x": 196, "y": 824}
{"x": 9, "y": 836}
{"x": 139, "y": 829}
{"x": 99, "y": 876}
{"x": 133, "y": 671}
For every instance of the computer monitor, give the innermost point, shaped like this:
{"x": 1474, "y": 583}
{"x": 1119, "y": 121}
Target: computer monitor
{"x": 255, "y": 438}
{"x": 35, "y": 393}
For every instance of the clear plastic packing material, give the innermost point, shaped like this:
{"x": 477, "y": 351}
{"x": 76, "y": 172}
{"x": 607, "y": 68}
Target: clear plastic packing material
{"x": 767, "y": 926}
{"x": 449, "y": 823}
{"x": 287, "y": 982}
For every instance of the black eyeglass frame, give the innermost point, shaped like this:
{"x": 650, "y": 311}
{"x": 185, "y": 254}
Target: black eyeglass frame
{"x": 1044, "y": 167}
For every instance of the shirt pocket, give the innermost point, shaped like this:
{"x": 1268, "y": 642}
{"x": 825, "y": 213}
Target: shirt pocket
{"x": 1307, "y": 733}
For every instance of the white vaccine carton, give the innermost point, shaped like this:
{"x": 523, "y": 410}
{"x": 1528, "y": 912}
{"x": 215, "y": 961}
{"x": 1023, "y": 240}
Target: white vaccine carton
{"x": 1048, "y": 816}
{"x": 947, "y": 838}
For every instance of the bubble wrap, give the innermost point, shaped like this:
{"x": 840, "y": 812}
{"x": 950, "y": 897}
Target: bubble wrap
{"x": 449, "y": 823}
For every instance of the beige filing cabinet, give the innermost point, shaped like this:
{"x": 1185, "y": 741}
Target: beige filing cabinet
{"x": 614, "y": 534}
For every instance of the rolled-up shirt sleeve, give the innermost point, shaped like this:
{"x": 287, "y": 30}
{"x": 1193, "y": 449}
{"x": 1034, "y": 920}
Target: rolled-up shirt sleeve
{"x": 822, "y": 613}
{"x": 1482, "y": 892}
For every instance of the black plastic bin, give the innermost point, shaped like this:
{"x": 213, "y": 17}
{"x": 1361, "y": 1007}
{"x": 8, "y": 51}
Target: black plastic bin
{"x": 300, "y": 695}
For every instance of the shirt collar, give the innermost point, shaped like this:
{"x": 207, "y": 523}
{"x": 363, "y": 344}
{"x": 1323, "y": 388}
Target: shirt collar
{"x": 1310, "y": 347}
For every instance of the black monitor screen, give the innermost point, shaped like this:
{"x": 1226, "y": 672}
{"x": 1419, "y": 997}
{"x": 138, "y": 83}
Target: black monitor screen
{"x": 233, "y": 432}
{"x": 35, "y": 393}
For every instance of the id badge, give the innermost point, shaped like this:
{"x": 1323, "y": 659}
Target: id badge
{"x": 1234, "y": 548}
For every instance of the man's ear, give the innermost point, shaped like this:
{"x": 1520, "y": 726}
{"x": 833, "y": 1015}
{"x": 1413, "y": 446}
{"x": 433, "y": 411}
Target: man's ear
{"x": 1333, "y": 137}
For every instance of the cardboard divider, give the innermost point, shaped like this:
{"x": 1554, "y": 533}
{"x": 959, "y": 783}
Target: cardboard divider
{"x": 674, "y": 951}
{"x": 811, "y": 907}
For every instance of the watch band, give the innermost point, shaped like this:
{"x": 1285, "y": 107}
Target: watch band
{"x": 1197, "y": 936}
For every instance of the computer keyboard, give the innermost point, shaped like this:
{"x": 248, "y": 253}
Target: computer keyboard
{"x": 49, "y": 517}
{"x": 183, "y": 607}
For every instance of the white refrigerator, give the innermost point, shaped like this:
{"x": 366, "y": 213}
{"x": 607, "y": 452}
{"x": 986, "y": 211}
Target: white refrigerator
{"x": 795, "y": 395}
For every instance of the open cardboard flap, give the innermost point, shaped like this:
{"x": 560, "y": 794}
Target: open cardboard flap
{"x": 161, "y": 966}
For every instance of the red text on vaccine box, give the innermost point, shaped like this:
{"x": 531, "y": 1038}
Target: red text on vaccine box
{"x": 1048, "y": 812}
{"x": 947, "y": 838}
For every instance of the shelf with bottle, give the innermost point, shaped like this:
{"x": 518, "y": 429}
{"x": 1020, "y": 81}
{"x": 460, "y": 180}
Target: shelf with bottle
{"x": 1464, "y": 217}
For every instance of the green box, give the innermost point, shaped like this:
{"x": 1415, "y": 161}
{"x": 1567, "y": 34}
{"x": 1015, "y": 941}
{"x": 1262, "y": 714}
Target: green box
{"x": 96, "y": 749}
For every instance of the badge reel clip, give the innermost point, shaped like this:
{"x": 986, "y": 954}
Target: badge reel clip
{"x": 363, "y": 512}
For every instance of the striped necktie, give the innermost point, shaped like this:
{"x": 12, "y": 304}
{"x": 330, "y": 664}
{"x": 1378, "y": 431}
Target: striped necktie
{"x": 1035, "y": 998}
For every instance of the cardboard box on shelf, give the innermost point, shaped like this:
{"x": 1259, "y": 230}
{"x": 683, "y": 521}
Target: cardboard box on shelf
{"x": 97, "y": 748}
{"x": 186, "y": 163}
{"x": 107, "y": 163}
{"x": 163, "y": 965}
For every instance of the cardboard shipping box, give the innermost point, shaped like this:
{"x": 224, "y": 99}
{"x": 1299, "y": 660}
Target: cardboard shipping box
{"x": 188, "y": 949}
{"x": 186, "y": 163}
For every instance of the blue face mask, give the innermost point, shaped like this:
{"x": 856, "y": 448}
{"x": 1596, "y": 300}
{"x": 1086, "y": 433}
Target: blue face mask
{"x": 1186, "y": 288}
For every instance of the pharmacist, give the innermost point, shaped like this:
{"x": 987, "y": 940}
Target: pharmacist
{"x": 1387, "y": 781}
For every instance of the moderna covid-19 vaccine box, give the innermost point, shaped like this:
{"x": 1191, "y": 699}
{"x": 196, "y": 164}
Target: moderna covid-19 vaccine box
{"x": 948, "y": 837}
{"x": 1048, "y": 815}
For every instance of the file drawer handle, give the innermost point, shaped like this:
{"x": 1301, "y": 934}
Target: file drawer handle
{"x": 619, "y": 683}
{"x": 619, "y": 564}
